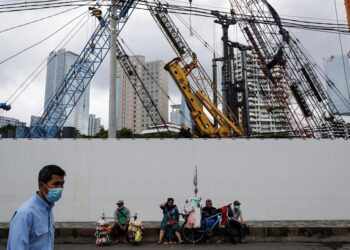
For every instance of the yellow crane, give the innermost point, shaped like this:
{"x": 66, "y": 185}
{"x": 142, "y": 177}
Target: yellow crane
{"x": 197, "y": 99}
{"x": 347, "y": 7}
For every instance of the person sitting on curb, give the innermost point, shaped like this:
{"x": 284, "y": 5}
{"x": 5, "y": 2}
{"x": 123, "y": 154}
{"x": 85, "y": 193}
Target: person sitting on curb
{"x": 236, "y": 221}
{"x": 169, "y": 227}
{"x": 208, "y": 210}
{"x": 122, "y": 219}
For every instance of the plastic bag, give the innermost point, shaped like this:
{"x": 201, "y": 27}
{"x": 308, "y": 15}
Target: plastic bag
{"x": 191, "y": 221}
{"x": 138, "y": 236}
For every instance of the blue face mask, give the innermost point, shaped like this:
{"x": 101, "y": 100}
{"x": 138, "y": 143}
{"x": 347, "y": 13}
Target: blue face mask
{"x": 236, "y": 207}
{"x": 54, "y": 194}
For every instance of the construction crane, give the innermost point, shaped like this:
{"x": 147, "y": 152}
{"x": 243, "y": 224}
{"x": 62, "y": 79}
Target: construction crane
{"x": 199, "y": 76}
{"x": 307, "y": 109}
{"x": 197, "y": 99}
{"x": 80, "y": 74}
{"x": 347, "y": 7}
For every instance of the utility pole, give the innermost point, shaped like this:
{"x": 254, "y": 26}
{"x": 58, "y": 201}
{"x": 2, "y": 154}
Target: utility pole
{"x": 112, "y": 122}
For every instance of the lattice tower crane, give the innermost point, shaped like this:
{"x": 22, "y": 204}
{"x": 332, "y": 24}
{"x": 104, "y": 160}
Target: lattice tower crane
{"x": 199, "y": 76}
{"x": 295, "y": 85}
{"x": 80, "y": 74}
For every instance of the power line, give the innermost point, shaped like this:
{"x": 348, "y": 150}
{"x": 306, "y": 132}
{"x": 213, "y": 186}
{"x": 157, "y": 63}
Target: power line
{"x": 41, "y": 41}
{"x": 185, "y": 10}
{"x": 40, "y": 6}
{"x": 37, "y": 20}
{"x": 40, "y": 65}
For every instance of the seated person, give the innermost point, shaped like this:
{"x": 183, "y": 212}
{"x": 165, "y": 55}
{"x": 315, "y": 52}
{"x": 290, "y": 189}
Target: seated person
{"x": 208, "y": 210}
{"x": 122, "y": 218}
{"x": 169, "y": 227}
{"x": 236, "y": 221}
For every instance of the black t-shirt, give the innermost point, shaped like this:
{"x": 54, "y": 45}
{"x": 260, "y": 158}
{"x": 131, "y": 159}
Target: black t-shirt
{"x": 207, "y": 212}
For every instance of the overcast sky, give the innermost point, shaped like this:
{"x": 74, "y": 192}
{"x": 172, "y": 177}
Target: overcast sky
{"x": 144, "y": 38}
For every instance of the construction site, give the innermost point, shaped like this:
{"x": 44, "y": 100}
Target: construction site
{"x": 271, "y": 69}
{"x": 262, "y": 126}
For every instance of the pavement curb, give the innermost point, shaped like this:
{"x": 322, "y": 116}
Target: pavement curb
{"x": 315, "y": 232}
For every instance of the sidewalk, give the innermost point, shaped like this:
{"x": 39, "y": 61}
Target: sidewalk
{"x": 260, "y": 231}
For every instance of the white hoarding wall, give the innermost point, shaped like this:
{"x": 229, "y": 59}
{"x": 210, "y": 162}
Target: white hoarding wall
{"x": 274, "y": 179}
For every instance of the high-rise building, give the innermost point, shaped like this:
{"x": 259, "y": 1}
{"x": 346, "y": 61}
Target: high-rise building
{"x": 58, "y": 65}
{"x": 186, "y": 116}
{"x": 262, "y": 120}
{"x": 130, "y": 111}
{"x": 338, "y": 70}
{"x": 33, "y": 120}
{"x": 4, "y": 121}
{"x": 94, "y": 125}
{"x": 175, "y": 114}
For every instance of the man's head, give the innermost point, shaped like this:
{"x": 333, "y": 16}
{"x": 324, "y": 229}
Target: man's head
{"x": 51, "y": 182}
{"x": 208, "y": 203}
{"x": 236, "y": 204}
{"x": 120, "y": 204}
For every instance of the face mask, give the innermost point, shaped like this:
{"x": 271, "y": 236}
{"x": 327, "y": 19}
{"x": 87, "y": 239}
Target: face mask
{"x": 236, "y": 207}
{"x": 54, "y": 194}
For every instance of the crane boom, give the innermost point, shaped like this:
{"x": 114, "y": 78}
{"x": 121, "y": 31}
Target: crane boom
{"x": 195, "y": 100}
{"x": 199, "y": 76}
{"x": 79, "y": 76}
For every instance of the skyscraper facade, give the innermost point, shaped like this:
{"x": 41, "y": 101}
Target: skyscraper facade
{"x": 130, "y": 111}
{"x": 58, "y": 65}
{"x": 262, "y": 120}
{"x": 34, "y": 119}
{"x": 338, "y": 70}
{"x": 175, "y": 114}
{"x": 94, "y": 125}
{"x": 185, "y": 114}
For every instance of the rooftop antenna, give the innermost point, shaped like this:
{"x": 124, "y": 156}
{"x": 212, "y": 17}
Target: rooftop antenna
{"x": 195, "y": 182}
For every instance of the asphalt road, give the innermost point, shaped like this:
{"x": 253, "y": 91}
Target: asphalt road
{"x": 249, "y": 246}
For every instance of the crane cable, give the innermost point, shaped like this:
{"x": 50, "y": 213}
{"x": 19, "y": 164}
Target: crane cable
{"x": 25, "y": 83}
{"x": 37, "y": 20}
{"x": 41, "y": 41}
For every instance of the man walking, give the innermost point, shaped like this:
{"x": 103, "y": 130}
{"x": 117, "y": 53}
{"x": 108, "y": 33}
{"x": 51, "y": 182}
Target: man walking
{"x": 32, "y": 225}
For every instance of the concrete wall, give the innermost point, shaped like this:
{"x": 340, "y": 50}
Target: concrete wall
{"x": 274, "y": 179}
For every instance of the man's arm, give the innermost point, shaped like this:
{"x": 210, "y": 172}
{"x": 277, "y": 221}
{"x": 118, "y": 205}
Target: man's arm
{"x": 128, "y": 216}
{"x": 19, "y": 231}
{"x": 241, "y": 218}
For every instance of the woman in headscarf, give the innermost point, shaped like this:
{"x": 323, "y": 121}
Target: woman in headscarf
{"x": 170, "y": 223}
